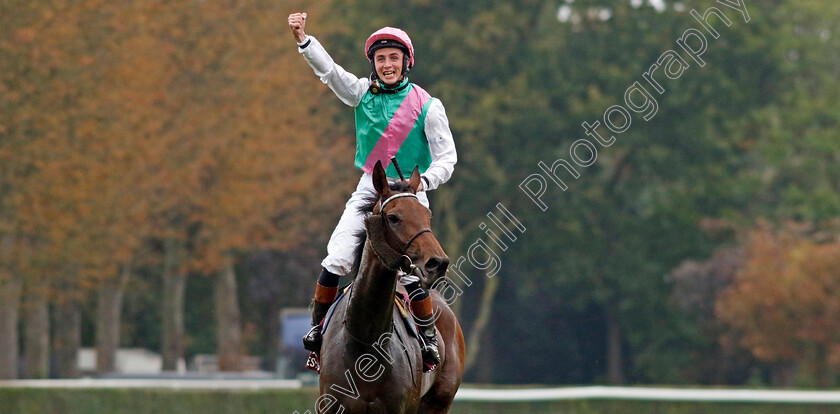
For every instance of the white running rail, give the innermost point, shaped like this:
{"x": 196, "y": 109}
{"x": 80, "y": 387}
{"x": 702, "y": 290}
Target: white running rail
{"x": 175, "y": 384}
{"x": 649, "y": 394}
{"x": 473, "y": 394}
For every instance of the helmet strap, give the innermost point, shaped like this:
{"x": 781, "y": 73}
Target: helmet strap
{"x": 376, "y": 87}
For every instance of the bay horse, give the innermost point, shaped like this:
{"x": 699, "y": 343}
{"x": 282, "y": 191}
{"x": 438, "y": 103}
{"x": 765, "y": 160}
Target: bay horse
{"x": 370, "y": 363}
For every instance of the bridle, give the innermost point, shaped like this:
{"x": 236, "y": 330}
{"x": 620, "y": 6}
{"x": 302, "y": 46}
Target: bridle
{"x": 392, "y": 258}
{"x": 419, "y": 232}
{"x": 403, "y": 252}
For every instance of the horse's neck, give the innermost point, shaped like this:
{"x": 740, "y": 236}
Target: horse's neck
{"x": 372, "y": 300}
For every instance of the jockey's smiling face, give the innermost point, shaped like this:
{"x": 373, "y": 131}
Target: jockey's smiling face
{"x": 389, "y": 65}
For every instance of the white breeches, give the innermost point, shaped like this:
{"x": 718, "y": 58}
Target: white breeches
{"x": 343, "y": 241}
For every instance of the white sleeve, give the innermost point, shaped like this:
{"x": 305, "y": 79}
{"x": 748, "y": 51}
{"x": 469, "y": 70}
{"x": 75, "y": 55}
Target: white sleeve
{"x": 441, "y": 145}
{"x": 349, "y": 88}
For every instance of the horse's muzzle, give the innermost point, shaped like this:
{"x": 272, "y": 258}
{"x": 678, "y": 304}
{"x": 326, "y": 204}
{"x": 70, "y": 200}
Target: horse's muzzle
{"x": 436, "y": 266}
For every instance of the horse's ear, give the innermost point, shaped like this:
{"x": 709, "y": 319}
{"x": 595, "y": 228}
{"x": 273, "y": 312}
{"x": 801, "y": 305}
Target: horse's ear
{"x": 414, "y": 180}
{"x": 380, "y": 181}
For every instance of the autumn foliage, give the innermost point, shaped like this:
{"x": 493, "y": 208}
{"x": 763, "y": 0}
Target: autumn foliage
{"x": 122, "y": 122}
{"x": 147, "y": 143}
{"x": 785, "y": 302}
{"x": 130, "y": 123}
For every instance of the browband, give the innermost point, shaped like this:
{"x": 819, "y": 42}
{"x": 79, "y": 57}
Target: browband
{"x": 394, "y": 197}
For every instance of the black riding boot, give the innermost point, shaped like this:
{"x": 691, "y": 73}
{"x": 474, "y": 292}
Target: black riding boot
{"x": 325, "y": 292}
{"x": 312, "y": 339}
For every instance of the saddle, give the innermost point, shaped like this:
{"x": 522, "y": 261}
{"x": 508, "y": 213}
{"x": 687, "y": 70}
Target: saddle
{"x": 401, "y": 304}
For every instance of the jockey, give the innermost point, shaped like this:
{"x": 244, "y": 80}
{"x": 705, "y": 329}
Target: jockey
{"x": 419, "y": 137}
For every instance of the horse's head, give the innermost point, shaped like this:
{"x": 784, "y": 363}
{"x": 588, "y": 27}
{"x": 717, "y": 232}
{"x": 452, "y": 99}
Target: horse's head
{"x": 406, "y": 224}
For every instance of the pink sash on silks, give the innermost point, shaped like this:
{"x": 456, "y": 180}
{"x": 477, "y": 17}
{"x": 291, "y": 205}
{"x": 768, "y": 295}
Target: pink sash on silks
{"x": 398, "y": 129}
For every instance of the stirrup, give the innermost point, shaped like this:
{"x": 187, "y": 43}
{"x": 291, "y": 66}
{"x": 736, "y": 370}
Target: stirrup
{"x": 312, "y": 339}
{"x": 431, "y": 351}
{"x": 431, "y": 354}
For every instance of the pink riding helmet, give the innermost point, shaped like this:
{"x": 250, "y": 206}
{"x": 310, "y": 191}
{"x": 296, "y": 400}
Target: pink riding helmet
{"x": 391, "y": 33}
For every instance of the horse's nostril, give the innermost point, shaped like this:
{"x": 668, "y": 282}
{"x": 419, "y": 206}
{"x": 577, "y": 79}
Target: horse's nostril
{"x": 432, "y": 265}
{"x": 444, "y": 264}
{"x": 437, "y": 264}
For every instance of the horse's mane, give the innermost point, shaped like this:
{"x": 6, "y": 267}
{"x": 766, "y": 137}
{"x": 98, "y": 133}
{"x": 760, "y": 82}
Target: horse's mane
{"x": 366, "y": 208}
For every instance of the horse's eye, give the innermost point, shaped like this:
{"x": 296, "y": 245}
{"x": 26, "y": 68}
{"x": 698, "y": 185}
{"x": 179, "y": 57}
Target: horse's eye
{"x": 393, "y": 219}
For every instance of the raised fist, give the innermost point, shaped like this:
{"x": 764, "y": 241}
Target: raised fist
{"x": 297, "y": 21}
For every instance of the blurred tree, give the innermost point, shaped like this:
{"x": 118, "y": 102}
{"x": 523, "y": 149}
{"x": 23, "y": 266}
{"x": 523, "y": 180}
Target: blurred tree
{"x": 124, "y": 123}
{"x": 36, "y": 330}
{"x": 605, "y": 243}
{"x": 10, "y": 297}
{"x": 274, "y": 283}
{"x": 235, "y": 161}
{"x": 795, "y": 135}
{"x": 66, "y": 337}
{"x": 519, "y": 79}
{"x": 45, "y": 127}
{"x": 792, "y": 148}
{"x": 697, "y": 285}
{"x": 783, "y": 304}
{"x": 180, "y": 139}
{"x": 108, "y": 313}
